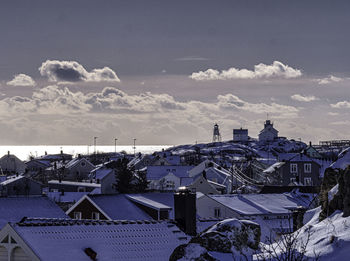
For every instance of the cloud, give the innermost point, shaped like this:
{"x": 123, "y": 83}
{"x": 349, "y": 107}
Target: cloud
{"x": 231, "y": 101}
{"x": 328, "y": 80}
{"x": 298, "y": 97}
{"x": 341, "y": 105}
{"x": 261, "y": 71}
{"x": 333, "y": 113}
{"x": 71, "y": 71}
{"x": 21, "y": 80}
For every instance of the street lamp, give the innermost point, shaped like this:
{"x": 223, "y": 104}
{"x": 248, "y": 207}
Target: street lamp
{"x": 95, "y": 138}
{"x": 134, "y": 147}
{"x": 115, "y": 145}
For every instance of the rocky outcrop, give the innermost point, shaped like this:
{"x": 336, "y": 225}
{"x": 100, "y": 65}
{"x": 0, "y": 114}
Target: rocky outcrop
{"x": 341, "y": 200}
{"x": 232, "y": 236}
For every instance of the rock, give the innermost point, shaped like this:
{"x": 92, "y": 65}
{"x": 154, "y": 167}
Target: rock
{"x": 232, "y": 236}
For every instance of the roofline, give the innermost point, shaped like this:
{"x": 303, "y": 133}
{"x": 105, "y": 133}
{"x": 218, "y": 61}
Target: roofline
{"x": 148, "y": 205}
{"x": 92, "y": 202}
{"x": 8, "y": 229}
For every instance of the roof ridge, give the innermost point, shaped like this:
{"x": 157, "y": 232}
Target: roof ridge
{"x": 33, "y": 222}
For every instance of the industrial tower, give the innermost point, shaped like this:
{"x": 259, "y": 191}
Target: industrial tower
{"x": 216, "y": 133}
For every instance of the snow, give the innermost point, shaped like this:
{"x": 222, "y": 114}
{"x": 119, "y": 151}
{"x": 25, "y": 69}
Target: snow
{"x": 148, "y": 202}
{"x": 192, "y": 252}
{"x": 119, "y": 207}
{"x": 11, "y": 179}
{"x": 75, "y": 183}
{"x": 13, "y": 209}
{"x": 273, "y": 167}
{"x": 332, "y": 192}
{"x": 110, "y": 240}
{"x": 343, "y": 160}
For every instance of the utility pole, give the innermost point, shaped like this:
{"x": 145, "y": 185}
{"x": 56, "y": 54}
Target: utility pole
{"x": 115, "y": 145}
{"x": 134, "y": 147}
{"x": 95, "y": 138}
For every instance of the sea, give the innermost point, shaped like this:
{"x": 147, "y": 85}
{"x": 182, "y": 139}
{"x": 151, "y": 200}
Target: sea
{"x": 24, "y": 152}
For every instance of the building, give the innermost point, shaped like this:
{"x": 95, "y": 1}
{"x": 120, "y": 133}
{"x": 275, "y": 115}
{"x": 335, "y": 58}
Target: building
{"x": 105, "y": 177}
{"x": 269, "y": 133}
{"x": 273, "y": 210}
{"x": 240, "y": 134}
{"x": 20, "y": 185}
{"x": 298, "y": 170}
{"x": 60, "y": 239}
{"x": 10, "y": 164}
{"x": 78, "y": 169}
{"x": 119, "y": 207}
{"x": 72, "y": 186}
{"x": 312, "y": 152}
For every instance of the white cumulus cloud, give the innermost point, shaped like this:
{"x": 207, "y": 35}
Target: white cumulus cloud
{"x": 21, "y": 80}
{"x": 72, "y": 71}
{"x": 298, "y": 97}
{"x": 341, "y": 105}
{"x": 261, "y": 71}
{"x": 328, "y": 80}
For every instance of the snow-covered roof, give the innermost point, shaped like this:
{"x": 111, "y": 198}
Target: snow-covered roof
{"x": 119, "y": 207}
{"x": 102, "y": 173}
{"x": 11, "y": 179}
{"x": 67, "y": 239}
{"x": 13, "y": 209}
{"x": 261, "y": 204}
{"x": 148, "y": 202}
{"x": 165, "y": 198}
{"x": 76, "y": 161}
{"x": 74, "y": 183}
{"x": 273, "y": 167}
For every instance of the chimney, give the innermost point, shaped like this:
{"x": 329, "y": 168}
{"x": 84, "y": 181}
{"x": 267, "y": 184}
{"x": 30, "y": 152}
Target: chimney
{"x": 8, "y": 153}
{"x": 45, "y": 152}
{"x": 310, "y": 144}
{"x": 185, "y": 211}
{"x": 61, "y": 152}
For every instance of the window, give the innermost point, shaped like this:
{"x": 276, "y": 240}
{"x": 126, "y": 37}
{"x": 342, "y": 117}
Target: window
{"x": 95, "y": 215}
{"x": 307, "y": 181}
{"x": 293, "y": 168}
{"x": 217, "y": 212}
{"x": 307, "y": 167}
{"x": 292, "y": 180}
{"x": 82, "y": 164}
{"x": 77, "y": 215}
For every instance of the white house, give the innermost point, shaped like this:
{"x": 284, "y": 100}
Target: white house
{"x": 274, "y": 209}
{"x": 105, "y": 177}
{"x": 78, "y": 169}
{"x": 269, "y": 133}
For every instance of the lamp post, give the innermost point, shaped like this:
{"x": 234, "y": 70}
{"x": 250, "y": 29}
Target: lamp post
{"x": 115, "y": 145}
{"x": 95, "y": 138}
{"x": 134, "y": 147}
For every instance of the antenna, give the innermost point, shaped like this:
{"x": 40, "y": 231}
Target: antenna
{"x": 216, "y": 133}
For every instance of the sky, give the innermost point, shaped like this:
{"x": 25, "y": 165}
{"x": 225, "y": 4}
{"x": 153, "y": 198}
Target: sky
{"x": 164, "y": 72}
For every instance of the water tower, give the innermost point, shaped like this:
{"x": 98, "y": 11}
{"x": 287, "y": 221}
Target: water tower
{"x": 216, "y": 133}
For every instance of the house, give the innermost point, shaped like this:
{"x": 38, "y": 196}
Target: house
{"x": 13, "y": 209}
{"x": 78, "y": 169}
{"x": 105, "y": 177}
{"x": 10, "y": 164}
{"x": 311, "y": 152}
{"x": 56, "y": 157}
{"x": 166, "y": 177}
{"x": 147, "y": 206}
{"x": 269, "y": 133}
{"x": 274, "y": 209}
{"x": 72, "y": 186}
{"x": 201, "y": 184}
{"x": 106, "y": 207}
{"x": 300, "y": 169}
{"x": 65, "y": 199}
{"x": 214, "y": 173}
{"x": 240, "y": 134}
{"x": 57, "y": 240}
{"x": 20, "y": 185}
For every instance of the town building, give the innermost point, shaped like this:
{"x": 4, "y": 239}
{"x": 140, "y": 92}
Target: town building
{"x": 269, "y": 133}
{"x": 240, "y": 134}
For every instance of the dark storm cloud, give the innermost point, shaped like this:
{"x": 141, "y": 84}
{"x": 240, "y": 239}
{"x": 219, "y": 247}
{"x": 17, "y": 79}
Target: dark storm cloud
{"x": 71, "y": 71}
